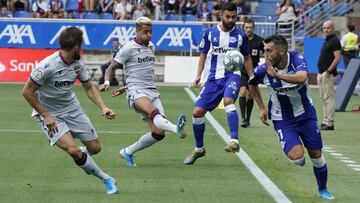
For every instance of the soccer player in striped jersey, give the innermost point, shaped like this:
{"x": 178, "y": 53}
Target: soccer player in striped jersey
{"x": 137, "y": 58}
{"x": 56, "y": 108}
{"x": 290, "y": 106}
{"x": 220, "y": 84}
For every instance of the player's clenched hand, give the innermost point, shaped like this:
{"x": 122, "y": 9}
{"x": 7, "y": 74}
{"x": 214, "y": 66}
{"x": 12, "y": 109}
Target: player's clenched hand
{"x": 50, "y": 125}
{"x": 263, "y": 116}
{"x": 197, "y": 82}
{"x": 119, "y": 91}
{"x": 108, "y": 113}
{"x": 103, "y": 87}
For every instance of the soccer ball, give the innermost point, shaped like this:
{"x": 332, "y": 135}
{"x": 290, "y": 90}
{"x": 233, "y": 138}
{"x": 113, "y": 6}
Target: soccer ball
{"x": 233, "y": 60}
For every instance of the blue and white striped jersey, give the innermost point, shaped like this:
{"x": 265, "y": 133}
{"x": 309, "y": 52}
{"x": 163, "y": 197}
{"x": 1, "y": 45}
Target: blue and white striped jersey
{"x": 215, "y": 43}
{"x": 287, "y": 101}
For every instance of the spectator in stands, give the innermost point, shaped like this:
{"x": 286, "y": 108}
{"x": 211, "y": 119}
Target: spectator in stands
{"x": 329, "y": 58}
{"x": 57, "y": 8}
{"x": 171, "y": 6}
{"x": 106, "y": 6}
{"x": 314, "y": 13}
{"x": 157, "y": 9}
{"x": 42, "y": 9}
{"x": 139, "y": 11}
{"x": 20, "y": 5}
{"x": 204, "y": 13}
{"x": 6, "y": 3}
{"x": 4, "y": 12}
{"x": 286, "y": 11}
{"x": 88, "y": 5}
{"x": 349, "y": 44}
{"x": 242, "y": 9}
{"x": 189, "y": 7}
{"x": 123, "y": 10}
{"x": 115, "y": 49}
{"x": 149, "y": 7}
{"x": 216, "y": 11}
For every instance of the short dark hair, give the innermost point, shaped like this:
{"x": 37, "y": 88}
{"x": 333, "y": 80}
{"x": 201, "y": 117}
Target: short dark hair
{"x": 249, "y": 21}
{"x": 228, "y": 6}
{"x": 70, "y": 37}
{"x": 278, "y": 40}
{"x": 351, "y": 28}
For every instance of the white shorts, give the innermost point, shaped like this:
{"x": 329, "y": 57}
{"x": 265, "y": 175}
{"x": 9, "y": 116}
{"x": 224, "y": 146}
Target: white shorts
{"x": 75, "y": 122}
{"x": 152, "y": 94}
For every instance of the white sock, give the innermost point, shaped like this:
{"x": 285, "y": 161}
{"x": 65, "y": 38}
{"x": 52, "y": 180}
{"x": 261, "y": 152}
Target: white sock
{"x": 164, "y": 124}
{"x": 199, "y": 149}
{"x": 91, "y": 168}
{"x": 144, "y": 141}
{"x": 85, "y": 150}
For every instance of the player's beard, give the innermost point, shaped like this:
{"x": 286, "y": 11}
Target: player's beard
{"x": 228, "y": 26}
{"x": 275, "y": 62}
{"x": 77, "y": 56}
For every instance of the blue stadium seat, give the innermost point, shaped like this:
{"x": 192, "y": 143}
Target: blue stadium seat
{"x": 22, "y": 14}
{"x": 188, "y": 17}
{"x": 90, "y": 15}
{"x": 76, "y": 15}
{"x": 171, "y": 17}
{"x": 107, "y": 16}
{"x": 342, "y": 9}
{"x": 71, "y": 5}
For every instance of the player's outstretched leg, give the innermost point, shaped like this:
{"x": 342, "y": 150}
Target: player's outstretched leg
{"x": 180, "y": 125}
{"x": 144, "y": 141}
{"x": 163, "y": 124}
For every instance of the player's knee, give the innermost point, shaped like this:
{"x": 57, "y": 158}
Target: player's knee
{"x": 198, "y": 121}
{"x": 198, "y": 112}
{"x": 299, "y": 161}
{"x": 74, "y": 152}
{"x": 158, "y": 136}
{"x": 95, "y": 149}
{"x": 230, "y": 108}
{"x": 319, "y": 162}
{"x": 154, "y": 113}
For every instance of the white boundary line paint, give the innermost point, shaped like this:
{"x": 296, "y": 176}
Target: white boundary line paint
{"x": 352, "y": 164}
{"x": 260, "y": 176}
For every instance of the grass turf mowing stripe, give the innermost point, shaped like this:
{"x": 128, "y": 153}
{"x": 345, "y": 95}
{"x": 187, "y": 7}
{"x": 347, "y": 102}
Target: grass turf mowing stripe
{"x": 265, "y": 181}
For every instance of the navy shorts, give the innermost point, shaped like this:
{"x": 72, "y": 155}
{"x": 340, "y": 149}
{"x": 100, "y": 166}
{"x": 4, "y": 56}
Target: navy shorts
{"x": 294, "y": 132}
{"x": 214, "y": 90}
{"x": 244, "y": 79}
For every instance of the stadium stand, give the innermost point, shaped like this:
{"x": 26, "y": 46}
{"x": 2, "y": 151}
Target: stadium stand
{"x": 22, "y": 14}
{"x": 107, "y": 16}
{"x": 90, "y": 15}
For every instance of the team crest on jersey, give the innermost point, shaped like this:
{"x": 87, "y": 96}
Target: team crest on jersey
{"x": 38, "y": 74}
{"x": 152, "y": 48}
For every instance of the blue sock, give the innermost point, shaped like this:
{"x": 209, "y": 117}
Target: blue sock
{"x": 199, "y": 130}
{"x": 233, "y": 122}
{"x": 321, "y": 176}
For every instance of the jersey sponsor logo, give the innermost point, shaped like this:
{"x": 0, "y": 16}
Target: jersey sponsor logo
{"x": 2, "y": 67}
{"x": 220, "y": 50}
{"x": 176, "y": 36}
{"x": 63, "y": 83}
{"x": 17, "y": 34}
{"x": 82, "y": 28}
{"x": 146, "y": 59}
{"x": 287, "y": 89}
{"x": 16, "y": 65}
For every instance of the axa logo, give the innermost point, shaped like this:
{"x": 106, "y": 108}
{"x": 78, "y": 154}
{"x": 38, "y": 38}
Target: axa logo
{"x": 16, "y": 34}
{"x": 124, "y": 34}
{"x": 2, "y": 67}
{"x": 82, "y": 28}
{"x": 176, "y": 36}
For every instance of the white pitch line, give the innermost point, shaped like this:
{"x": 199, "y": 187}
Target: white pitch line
{"x": 336, "y": 154}
{"x": 342, "y": 157}
{"x": 354, "y": 165}
{"x": 265, "y": 181}
{"x": 348, "y": 161}
{"x": 356, "y": 169}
